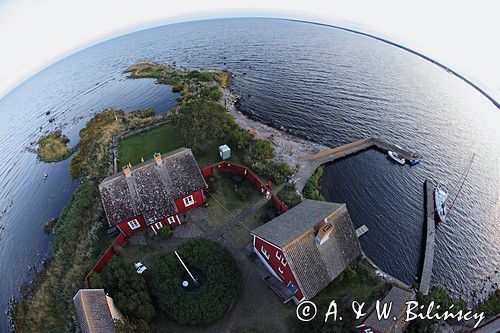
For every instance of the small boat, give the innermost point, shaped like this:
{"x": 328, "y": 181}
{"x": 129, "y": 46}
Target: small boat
{"x": 415, "y": 161}
{"x": 440, "y": 197}
{"x": 395, "y": 156}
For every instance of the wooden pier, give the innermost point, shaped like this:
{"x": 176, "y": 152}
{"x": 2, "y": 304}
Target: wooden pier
{"x": 430, "y": 238}
{"x": 312, "y": 162}
{"x": 355, "y": 147}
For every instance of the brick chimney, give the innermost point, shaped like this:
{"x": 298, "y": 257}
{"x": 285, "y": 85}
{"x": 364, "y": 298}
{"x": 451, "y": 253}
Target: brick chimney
{"x": 158, "y": 159}
{"x": 126, "y": 170}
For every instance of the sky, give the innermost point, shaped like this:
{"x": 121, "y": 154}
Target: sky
{"x": 462, "y": 35}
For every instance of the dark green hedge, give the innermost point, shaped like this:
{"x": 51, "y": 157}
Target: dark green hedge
{"x": 216, "y": 293}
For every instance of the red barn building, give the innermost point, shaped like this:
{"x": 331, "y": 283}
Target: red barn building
{"x": 308, "y": 246}
{"x": 154, "y": 193}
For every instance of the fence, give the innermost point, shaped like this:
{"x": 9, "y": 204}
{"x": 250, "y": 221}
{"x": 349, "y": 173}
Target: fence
{"x": 224, "y": 165}
{"x": 208, "y": 171}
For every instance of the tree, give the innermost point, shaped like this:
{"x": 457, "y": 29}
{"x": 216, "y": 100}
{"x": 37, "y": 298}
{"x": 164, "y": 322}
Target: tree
{"x": 218, "y": 282}
{"x": 202, "y": 121}
{"x": 128, "y": 289}
{"x": 261, "y": 150}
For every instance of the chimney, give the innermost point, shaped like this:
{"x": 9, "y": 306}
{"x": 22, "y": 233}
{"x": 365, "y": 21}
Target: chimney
{"x": 126, "y": 170}
{"x": 324, "y": 232}
{"x": 158, "y": 159}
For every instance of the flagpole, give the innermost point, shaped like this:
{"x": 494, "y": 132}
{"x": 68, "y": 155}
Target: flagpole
{"x": 182, "y": 262}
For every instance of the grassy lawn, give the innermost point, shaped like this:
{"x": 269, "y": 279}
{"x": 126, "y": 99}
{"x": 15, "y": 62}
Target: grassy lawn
{"x": 229, "y": 199}
{"x": 162, "y": 140}
{"x": 240, "y": 235}
{"x": 159, "y": 140}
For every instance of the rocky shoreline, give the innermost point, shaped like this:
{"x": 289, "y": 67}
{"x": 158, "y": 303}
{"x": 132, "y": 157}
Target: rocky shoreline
{"x": 288, "y": 148}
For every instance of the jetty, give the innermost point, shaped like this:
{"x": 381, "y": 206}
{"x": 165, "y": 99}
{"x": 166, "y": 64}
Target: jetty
{"x": 310, "y": 163}
{"x": 430, "y": 238}
{"x": 361, "y": 230}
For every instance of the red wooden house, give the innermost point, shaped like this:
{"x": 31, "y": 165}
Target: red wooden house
{"x": 154, "y": 193}
{"x": 307, "y": 247}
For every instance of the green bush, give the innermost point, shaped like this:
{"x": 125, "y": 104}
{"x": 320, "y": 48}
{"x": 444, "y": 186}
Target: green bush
{"x": 166, "y": 232}
{"x": 177, "y": 88}
{"x": 128, "y": 289}
{"x": 260, "y": 151}
{"x": 217, "y": 291}
{"x": 312, "y": 189}
{"x": 95, "y": 281}
{"x": 289, "y": 196}
{"x": 491, "y": 306}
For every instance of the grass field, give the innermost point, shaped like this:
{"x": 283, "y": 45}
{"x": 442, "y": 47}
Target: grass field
{"x": 159, "y": 140}
{"x": 163, "y": 140}
{"x": 229, "y": 199}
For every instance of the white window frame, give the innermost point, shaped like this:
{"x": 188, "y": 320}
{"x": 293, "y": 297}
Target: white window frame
{"x": 280, "y": 270}
{"x": 283, "y": 262}
{"x": 158, "y": 225}
{"x": 134, "y": 224}
{"x": 171, "y": 220}
{"x": 188, "y": 201}
{"x": 278, "y": 255}
{"x": 264, "y": 252}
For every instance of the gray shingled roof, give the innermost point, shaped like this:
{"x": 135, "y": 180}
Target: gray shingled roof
{"x": 92, "y": 311}
{"x": 295, "y": 222}
{"x": 398, "y": 297}
{"x": 151, "y": 188}
{"x": 314, "y": 265}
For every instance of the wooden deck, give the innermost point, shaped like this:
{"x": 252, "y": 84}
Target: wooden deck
{"x": 430, "y": 238}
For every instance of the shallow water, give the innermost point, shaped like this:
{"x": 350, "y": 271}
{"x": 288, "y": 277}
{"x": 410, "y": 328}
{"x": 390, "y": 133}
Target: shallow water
{"x": 328, "y": 85}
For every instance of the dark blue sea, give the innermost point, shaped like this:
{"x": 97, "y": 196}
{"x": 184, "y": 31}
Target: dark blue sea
{"x": 318, "y": 82}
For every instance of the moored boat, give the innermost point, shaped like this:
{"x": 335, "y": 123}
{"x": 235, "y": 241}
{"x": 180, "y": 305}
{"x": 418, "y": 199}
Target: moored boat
{"x": 395, "y": 156}
{"x": 440, "y": 196}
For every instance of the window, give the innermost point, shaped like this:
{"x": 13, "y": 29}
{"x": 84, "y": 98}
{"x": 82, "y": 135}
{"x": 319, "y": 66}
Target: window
{"x": 188, "y": 201}
{"x": 158, "y": 225}
{"x": 264, "y": 252}
{"x": 278, "y": 255}
{"x": 283, "y": 262}
{"x": 134, "y": 224}
{"x": 171, "y": 219}
{"x": 280, "y": 270}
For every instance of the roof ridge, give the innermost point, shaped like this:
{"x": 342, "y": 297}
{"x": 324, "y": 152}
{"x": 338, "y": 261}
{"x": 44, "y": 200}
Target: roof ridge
{"x": 132, "y": 188}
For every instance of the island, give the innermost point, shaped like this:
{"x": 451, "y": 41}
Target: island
{"x": 53, "y": 147}
{"x": 198, "y": 238}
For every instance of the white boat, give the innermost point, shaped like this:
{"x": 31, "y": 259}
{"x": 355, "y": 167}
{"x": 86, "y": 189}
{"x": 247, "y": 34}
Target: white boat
{"x": 440, "y": 196}
{"x": 395, "y": 156}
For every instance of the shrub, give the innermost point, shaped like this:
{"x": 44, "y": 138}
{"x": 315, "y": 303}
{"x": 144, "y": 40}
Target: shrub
{"x": 128, "y": 289}
{"x": 260, "y": 150}
{"x": 213, "y": 296}
{"x": 95, "y": 281}
{"x": 492, "y": 305}
{"x": 166, "y": 232}
{"x": 289, "y": 196}
{"x": 177, "y": 88}
{"x": 312, "y": 188}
